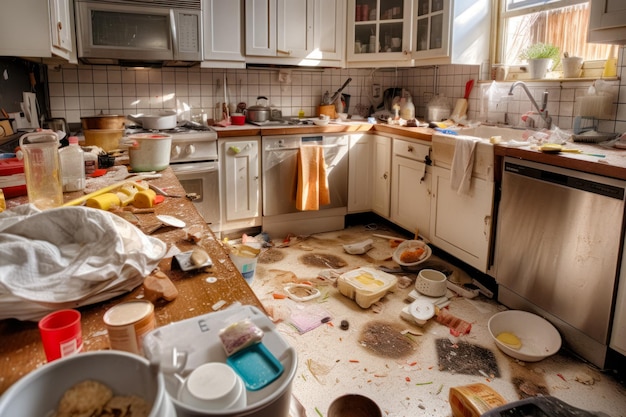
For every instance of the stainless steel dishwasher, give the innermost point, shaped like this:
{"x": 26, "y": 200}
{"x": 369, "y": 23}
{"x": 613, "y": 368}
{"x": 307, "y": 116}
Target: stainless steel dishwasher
{"x": 558, "y": 246}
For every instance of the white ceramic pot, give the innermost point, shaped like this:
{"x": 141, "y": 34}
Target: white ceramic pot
{"x": 164, "y": 120}
{"x": 431, "y": 283}
{"x": 149, "y": 151}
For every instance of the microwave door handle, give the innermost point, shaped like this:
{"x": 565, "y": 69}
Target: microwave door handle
{"x": 173, "y": 27}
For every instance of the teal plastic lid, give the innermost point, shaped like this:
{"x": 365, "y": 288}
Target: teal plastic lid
{"x": 256, "y": 366}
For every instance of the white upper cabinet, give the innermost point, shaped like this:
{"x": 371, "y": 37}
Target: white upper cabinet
{"x": 294, "y": 32}
{"x": 418, "y": 32}
{"x": 607, "y": 22}
{"x": 32, "y": 28}
{"x": 223, "y": 34}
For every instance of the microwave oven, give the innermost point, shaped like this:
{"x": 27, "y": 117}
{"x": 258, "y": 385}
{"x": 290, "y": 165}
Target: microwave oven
{"x": 139, "y": 32}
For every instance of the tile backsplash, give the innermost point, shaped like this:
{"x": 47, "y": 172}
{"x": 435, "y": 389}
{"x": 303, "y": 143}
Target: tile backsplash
{"x": 84, "y": 90}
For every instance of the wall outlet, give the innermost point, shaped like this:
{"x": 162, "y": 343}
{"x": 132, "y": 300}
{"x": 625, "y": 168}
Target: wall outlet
{"x": 376, "y": 90}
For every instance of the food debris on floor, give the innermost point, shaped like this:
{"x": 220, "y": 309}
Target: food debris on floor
{"x": 405, "y": 368}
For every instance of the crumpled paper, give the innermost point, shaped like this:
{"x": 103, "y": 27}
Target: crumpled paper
{"x": 69, "y": 257}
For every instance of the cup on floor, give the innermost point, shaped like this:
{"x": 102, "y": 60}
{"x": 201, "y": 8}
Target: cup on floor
{"x": 61, "y": 334}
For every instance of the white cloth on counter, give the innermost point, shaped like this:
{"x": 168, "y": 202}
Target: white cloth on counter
{"x": 463, "y": 164}
{"x": 69, "y": 257}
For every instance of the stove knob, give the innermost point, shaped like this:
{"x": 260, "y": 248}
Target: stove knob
{"x": 190, "y": 149}
{"x": 175, "y": 152}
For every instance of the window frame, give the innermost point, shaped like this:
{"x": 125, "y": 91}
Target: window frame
{"x": 525, "y": 7}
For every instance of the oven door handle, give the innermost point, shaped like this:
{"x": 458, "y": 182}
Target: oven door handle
{"x": 197, "y": 168}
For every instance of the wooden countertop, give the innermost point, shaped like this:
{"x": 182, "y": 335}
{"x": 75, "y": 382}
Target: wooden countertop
{"x": 21, "y": 350}
{"x": 613, "y": 164}
{"x": 341, "y": 127}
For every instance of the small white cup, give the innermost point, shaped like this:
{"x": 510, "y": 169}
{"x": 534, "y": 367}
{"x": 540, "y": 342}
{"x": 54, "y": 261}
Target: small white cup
{"x": 213, "y": 386}
{"x": 396, "y": 42}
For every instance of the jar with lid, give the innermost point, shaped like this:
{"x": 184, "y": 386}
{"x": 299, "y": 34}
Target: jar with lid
{"x": 72, "y": 166}
{"x": 408, "y": 110}
{"x": 42, "y": 169}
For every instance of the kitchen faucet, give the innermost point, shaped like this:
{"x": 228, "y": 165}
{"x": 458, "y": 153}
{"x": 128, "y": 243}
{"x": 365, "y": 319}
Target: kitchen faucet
{"x": 541, "y": 111}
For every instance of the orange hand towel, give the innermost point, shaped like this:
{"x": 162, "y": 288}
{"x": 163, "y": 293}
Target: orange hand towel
{"x": 312, "y": 189}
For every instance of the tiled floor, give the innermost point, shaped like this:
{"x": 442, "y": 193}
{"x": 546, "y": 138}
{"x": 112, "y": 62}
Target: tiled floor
{"x": 405, "y": 374}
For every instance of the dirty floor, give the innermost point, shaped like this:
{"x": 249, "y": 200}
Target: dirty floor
{"x": 406, "y": 369}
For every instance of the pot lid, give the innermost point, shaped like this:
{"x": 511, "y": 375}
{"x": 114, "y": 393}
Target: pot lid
{"x": 258, "y": 108}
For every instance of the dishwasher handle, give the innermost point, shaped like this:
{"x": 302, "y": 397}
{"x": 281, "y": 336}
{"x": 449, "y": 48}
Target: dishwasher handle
{"x": 295, "y": 148}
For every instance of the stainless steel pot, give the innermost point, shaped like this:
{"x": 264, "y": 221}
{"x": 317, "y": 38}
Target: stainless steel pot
{"x": 258, "y": 113}
{"x": 163, "y": 120}
{"x": 103, "y": 121}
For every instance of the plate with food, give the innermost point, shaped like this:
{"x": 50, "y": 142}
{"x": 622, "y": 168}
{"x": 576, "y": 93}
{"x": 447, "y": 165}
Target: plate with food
{"x": 411, "y": 253}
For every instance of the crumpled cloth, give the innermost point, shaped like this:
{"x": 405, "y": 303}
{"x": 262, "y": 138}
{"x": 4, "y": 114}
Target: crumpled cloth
{"x": 69, "y": 257}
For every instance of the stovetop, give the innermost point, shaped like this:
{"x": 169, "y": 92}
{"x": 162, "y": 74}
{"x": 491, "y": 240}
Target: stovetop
{"x": 185, "y": 131}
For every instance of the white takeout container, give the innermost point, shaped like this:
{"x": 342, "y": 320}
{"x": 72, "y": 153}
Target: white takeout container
{"x": 366, "y": 285}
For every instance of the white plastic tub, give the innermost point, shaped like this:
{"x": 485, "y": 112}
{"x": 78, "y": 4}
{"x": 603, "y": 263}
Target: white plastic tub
{"x": 366, "y": 285}
{"x": 198, "y": 339}
{"x": 149, "y": 151}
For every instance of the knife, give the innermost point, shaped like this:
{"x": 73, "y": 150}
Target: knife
{"x": 336, "y": 95}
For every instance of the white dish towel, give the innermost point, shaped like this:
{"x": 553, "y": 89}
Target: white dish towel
{"x": 463, "y": 164}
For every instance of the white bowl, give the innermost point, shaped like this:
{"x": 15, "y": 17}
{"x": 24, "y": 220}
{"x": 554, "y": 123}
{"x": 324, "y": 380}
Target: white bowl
{"x": 38, "y": 393}
{"x": 538, "y": 336}
{"x": 321, "y": 122}
{"x": 411, "y": 245}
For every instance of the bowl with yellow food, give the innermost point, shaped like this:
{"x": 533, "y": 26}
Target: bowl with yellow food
{"x": 524, "y": 335}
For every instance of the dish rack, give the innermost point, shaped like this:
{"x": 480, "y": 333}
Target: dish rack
{"x": 586, "y": 130}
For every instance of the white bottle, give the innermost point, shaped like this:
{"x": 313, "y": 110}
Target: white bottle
{"x": 72, "y": 166}
{"x": 408, "y": 111}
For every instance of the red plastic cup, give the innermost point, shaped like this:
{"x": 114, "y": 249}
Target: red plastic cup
{"x": 61, "y": 334}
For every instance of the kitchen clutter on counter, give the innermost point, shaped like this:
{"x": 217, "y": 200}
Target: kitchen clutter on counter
{"x": 69, "y": 257}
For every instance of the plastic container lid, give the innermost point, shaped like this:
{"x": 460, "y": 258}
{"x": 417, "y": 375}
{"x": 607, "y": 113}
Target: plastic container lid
{"x": 256, "y": 366}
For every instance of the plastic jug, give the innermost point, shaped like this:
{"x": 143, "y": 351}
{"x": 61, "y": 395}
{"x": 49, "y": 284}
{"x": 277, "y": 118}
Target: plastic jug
{"x": 42, "y": 169}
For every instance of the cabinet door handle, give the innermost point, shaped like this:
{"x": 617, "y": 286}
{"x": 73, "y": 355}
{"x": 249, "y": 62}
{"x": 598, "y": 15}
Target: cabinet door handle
{"x": 410, "y": 149}
{"x": 385, "y": 175}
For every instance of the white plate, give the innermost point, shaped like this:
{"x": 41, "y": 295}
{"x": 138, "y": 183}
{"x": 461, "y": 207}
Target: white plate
{"x": 170, "y": 220}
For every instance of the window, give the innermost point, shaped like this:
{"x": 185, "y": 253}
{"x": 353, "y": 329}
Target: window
{"x": 562, "y": 23}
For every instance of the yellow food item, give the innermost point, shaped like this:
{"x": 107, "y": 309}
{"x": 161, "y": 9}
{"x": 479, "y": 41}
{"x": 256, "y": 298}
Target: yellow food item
{"x": 369, "y": 280}
{"x": 144, "y": 199}
{"x": 510, "y": 340}
{"x": 3, "y": 204}
{"x": 104, "y": 201}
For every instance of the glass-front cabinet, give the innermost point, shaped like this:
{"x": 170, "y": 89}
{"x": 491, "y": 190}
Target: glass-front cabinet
{"x": 430, "y": 22}
{"x": 418, "y": 32}
{"x": 380, "y": 30}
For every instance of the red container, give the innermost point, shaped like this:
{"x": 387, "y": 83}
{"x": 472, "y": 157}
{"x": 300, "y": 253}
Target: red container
{"x": 238, "y": 119}
{"x": 12, "y": 179}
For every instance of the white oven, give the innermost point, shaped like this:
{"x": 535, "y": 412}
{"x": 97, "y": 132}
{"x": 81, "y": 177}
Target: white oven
{"x": 195, "y": 163}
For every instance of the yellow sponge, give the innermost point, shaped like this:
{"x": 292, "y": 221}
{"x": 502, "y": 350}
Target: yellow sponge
{"x": 144, "y": 199}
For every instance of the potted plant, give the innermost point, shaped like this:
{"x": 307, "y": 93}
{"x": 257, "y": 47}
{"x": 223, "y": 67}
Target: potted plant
{"x": 541, "y": 57}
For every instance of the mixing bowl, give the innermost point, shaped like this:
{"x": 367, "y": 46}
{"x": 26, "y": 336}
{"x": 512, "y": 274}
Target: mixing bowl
{"x": 38, "y": 393}
{"x": 539, "y": 338}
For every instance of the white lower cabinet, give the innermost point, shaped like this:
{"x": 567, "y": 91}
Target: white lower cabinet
{"x": 240, "y": 178}
{"x": 360, "y": 173}
{"x": 461, "y": 224}
{"x": 381, "y": 182}
{"x": 410, "y": 187}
